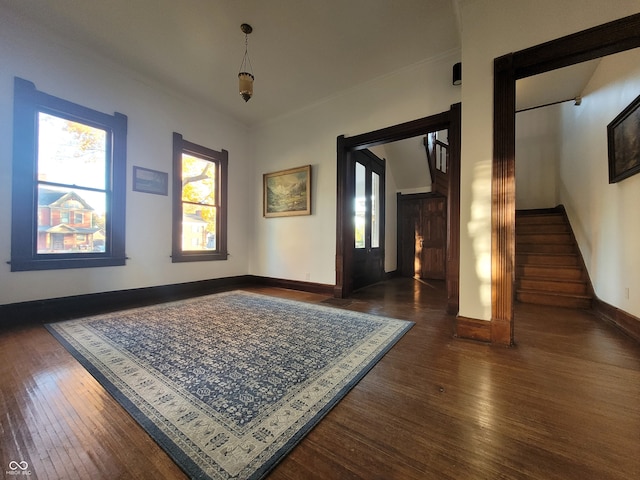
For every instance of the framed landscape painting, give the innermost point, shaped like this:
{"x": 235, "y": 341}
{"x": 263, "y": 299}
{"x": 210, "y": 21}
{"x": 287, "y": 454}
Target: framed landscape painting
{"x": 623, "y": 139}
{"x": 287, "y": 192}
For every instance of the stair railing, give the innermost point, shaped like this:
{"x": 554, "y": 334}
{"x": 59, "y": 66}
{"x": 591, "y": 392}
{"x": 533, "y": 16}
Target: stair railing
{"x": 438, "y": 160}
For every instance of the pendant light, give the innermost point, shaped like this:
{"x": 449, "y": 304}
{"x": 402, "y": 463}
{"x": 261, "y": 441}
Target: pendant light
{"x": 245, "y": 77}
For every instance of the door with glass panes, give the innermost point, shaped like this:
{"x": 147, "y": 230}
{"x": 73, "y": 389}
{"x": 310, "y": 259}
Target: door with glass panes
{"x": 369, "y": 175}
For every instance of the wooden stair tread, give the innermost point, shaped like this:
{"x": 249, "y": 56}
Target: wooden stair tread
{"x": 554, "y": 218}
{"x": 551, "y": 255}
{"x": 549, "y": 266}
{"x": 553, "y": 294}
{"x": 549, "y": 271}
{"x": 554, "y": 298}
{"x": 562, "y": 248}
{"x": 542, "y": 278}
{"x": 543, "y": 238}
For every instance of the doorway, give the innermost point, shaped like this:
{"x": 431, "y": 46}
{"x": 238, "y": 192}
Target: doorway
{"x": 345, "y": 233}
{"x": 596, "y": 42}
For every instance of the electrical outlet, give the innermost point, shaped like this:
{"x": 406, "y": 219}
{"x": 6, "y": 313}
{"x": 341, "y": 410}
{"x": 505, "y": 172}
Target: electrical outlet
{"x": 626, "y": 293}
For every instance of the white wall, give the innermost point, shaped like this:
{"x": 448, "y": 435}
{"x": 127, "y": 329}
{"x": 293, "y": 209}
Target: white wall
{"x": 491, "y": 28}
{"x": 304, "y": 248}
{"x": 604, "y": 216}
{"x": 67, "y": 71}
{"x": 537, "y": 156}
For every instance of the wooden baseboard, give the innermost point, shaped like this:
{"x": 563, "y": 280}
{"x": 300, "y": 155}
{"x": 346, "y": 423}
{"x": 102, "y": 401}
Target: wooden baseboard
{"x": 473, "y": 329}
{"x": 626, "y": 322}
{"x": 391, "y": 275}
{"x": 311, "y": 287}
{"x": 55, "y": 309}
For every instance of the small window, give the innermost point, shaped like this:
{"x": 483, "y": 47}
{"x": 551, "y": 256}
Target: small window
{"x": 64, "y": 214}
{"x": 199, "y": 202}
{"x": 69, "y": 181}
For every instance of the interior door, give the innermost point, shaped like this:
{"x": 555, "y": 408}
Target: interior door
{"x": 369, "y": 175}
{"x": 434, "y": 238}
{"x": 422, "y": 237}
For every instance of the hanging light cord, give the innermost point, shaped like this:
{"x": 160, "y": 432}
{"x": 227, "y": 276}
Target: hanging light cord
{"x": 246, "y": 59}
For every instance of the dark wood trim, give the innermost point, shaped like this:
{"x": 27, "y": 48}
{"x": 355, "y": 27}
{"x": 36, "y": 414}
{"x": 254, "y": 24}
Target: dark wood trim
{"x": 28, "y": 102}
{"x": 63, "y": 308}
{"x": 344, "y": 216}
{"x": 606, "y": 39}
{"x": 220, "y": 159}
{"x": 629, "y": 324}
{"x": 453, "y": 210}
{"x": 311, "y": 287}
{"x": 599, "y": 41}
{"x": 391, "y": 275}
{"x": 413, "y": 128}
{"x": 473, "y": 329}
{"x": 450, "y": 120}
{"x": 503, "y": 211}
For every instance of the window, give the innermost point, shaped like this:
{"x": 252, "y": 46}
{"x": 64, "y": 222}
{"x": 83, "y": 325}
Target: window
{"x": 69, "y": 182}
{"x": 199, "y": 202}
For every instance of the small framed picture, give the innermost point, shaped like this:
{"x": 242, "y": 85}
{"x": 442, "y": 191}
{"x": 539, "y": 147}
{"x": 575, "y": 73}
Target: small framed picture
{"x": 150, "y": 181}
{"x": 287, "y": 192}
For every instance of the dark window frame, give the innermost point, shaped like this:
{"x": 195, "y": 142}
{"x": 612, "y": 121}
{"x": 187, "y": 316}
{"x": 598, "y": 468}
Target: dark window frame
{"x": 221, "y": 161}
{"x": 28, "y": 102}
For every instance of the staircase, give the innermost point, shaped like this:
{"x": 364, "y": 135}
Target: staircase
{"x": 549, "y": 268}
{"x": 438, "y": 160}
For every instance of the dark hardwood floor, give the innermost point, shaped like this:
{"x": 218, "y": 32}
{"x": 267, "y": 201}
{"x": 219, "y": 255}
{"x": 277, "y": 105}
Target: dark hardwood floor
{"x": 563, "y": 404}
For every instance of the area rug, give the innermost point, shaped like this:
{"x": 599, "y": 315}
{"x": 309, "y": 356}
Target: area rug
{"x": 228, "y": 383}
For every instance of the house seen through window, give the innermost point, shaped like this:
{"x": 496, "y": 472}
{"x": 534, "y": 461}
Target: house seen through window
{"x": 71, "y": 186}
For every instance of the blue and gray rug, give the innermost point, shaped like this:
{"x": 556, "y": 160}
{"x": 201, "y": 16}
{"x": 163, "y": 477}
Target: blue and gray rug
{"x": 227, "y": 384}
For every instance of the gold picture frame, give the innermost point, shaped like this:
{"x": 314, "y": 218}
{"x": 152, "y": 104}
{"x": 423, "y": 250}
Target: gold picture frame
{"x": 287, "y": 192}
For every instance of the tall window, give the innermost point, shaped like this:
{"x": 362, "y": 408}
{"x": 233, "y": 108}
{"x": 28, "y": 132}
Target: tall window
{"x": 69, "y": 182}
{"x": 199, "y": 202}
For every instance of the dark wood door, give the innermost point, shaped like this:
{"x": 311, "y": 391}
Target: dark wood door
{"x": 409, "y": 221}
{"x": 368, "y": 257}
{"x": 422, "y": 236}
{"x": 434, "y": 238}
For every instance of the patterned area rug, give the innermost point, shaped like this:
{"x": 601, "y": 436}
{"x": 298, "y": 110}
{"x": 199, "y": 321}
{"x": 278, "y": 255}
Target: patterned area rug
{"x": 227, "y": 384}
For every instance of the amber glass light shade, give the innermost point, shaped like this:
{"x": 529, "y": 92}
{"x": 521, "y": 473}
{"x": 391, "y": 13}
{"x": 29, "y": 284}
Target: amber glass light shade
{"x": 245, "y": 81}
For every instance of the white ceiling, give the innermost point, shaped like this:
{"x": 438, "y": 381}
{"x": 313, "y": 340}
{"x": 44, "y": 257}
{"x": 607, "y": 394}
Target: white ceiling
{"x": 554, "y": 86}
{"x": 302, "y": 51}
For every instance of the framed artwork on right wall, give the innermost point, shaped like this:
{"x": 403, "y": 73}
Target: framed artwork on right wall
{"x": 623, "y": 139}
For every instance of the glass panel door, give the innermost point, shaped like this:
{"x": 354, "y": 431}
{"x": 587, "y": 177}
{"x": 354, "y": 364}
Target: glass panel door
{"x": 368, "y": 218}
{"x": 360, "y": 205}
{"x": 375, "y": 210}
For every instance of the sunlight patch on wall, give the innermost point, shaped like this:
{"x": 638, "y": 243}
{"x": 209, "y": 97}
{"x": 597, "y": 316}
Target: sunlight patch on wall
{"x": 479, "y": 230}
